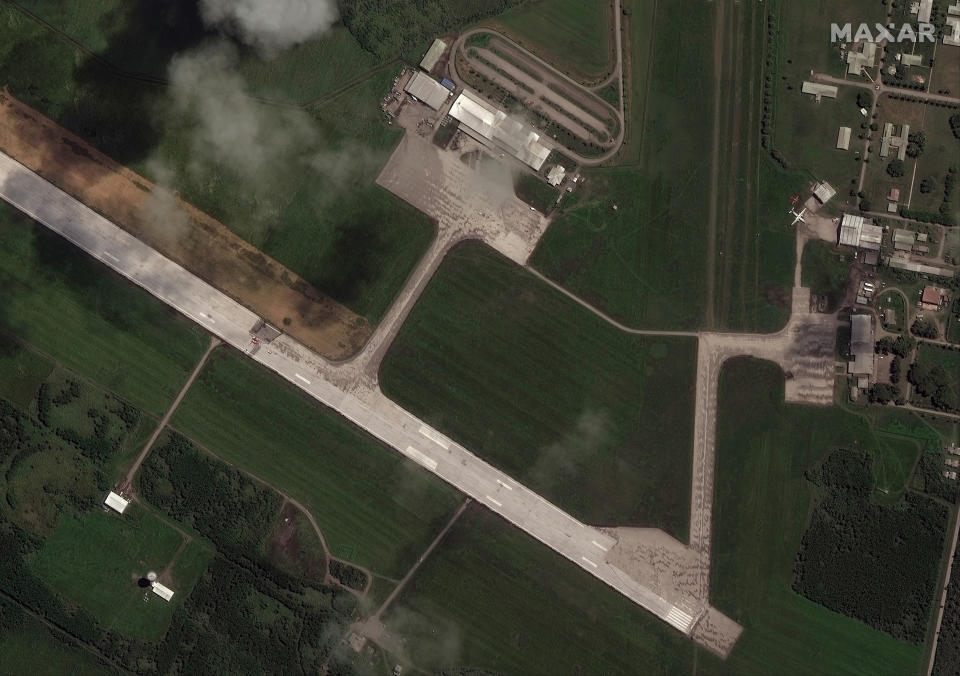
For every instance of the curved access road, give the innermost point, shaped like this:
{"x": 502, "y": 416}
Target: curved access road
{"x": 618, "y": 73}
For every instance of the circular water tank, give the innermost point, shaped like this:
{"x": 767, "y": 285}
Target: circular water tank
{"x": 152, "y": 576}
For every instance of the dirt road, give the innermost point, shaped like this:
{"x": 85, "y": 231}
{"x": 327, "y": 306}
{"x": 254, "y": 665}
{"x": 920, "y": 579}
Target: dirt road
{"x": 127, "y": 485}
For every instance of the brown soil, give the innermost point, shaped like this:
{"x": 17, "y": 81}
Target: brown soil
{"x": 201, "y": 244}
{"x": 285, "y": 549}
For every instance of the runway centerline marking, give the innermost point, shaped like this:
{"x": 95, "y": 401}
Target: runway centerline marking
{"x": 300, "y": 377}
{"x": 597, "y": 544}
{"x": 508, "y": 487}
{"x": 435, "y": 437}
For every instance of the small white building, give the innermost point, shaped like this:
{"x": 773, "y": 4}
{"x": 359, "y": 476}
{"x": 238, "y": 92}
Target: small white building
{"x": 819, "y": 90}
{"x": 556, "y": 174}
{"x": 433, "y": 55}
{"x": 161, "y": 591}
{"x": 824, "y": 192}
{"x": 857, "y": 61}
{"x": 115, "y": 502}
{"x": 843, "y": 138}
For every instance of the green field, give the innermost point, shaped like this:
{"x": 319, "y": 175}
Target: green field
{"x": 297, "y": 182}
{"x": 949, "y": 359}
{"x": 893, "y": 461}
{"x": 21, "y": 371}
{"x": 895, "y": 302}
{"x": 638, "y": 25}
{"x": 574, "y": 37}
{"x": 596, "y": 420}
{"x": 32, "y": 648}
{"x": 824, "y": 270}
{"x": 375, "y": 508}
{"x": 647, "y": 262}
{"x": 494, "y": 599}
{"x": 92, "y": 321}
{"x": 96, "y": 561}
{"x": 760, "y": 512}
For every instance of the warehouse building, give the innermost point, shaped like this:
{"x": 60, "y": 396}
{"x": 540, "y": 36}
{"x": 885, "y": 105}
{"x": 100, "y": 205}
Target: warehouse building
{"x": 857, "y": 232}
{"x": 824, "y": 192}
{"x": 488, "y": 124}
{"x": 433, "y": 55}
{"x": 922, "y": 268}
{"x": 903, "y": 240}
{"x": 819, "y": 90}
{"x": 116, "y": 503}
{"x": 843, "y": 139}
{"x": 424, "y": 88}
{"x": 891, "y": 141}
{"x": 163, "y": 592}
{"x": 861, "y": 346}
{"x": 858, "y": 60}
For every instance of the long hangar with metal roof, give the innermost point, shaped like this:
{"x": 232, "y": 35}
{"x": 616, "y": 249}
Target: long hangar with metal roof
{"x": 492, "y": 124}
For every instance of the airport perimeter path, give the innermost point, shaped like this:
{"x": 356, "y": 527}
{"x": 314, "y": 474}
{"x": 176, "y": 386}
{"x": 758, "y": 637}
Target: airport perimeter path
{"x": 360, "y": 403}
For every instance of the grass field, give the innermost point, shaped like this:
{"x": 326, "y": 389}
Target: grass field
{"x": 493, "y": 598}
{"x": 21, "y": 372}
{"x": 635, "y": 263}
{"x": 32, "y": 648}
{"x": 648, "y": 262}
{"x": 595, "y": 419}
{"x": 824, "y": 271}
{"x": 129, "y": 36}
{"x": 894, "y": 301}
{"x": 96, "y": 561}
{"x": 375, "y": 508}
{"x": 760, "y": 512}
{"x": 73, "y": 309}
{"x": 297, "y": 183}
{"x": 893, "y": 462}
{"x": 574, "y": 37}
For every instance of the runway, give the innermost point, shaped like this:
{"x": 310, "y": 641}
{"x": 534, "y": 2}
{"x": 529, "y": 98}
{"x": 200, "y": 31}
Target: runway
{"x": 364, "y": 405}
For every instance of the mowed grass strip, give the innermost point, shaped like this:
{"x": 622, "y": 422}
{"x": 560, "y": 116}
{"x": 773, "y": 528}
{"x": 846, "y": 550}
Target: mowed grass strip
{"x": 97, "y": 559}
{"x": 597, "y": 420}
{"x": 494, "y": 598}
{"x": 575, "y": 37}
{"x": 375, "y": 508}
{"x": 66, "y": 305}
{"x": 761, "y": 504}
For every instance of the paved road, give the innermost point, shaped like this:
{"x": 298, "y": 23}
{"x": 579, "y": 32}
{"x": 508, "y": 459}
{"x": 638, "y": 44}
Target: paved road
{"x": 886, "y": 89}
{"x": 366, "y": 406}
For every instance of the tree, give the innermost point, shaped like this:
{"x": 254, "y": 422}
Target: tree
{"x": 866, "y": 205}
{"x": 927, "y": 185}
{"x": 882, "y": 393}
{"x": 864, "y": 100}
{"x": 924, "y": 328}
{"x": 903, "y": 345}
{"x": 895, "y": 368}
{"x": 895, "y": 169}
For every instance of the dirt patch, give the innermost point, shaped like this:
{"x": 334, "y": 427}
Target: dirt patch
{"x": 287, "y": 550}
{"x": 180, "y": 231}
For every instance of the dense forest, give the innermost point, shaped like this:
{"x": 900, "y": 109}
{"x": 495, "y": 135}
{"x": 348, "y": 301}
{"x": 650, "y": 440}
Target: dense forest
{"x": 243, "y": 616}
{"x": 947, "y": 660}
{"x": 389, "y": 28}
{"x": 877, "y": 564}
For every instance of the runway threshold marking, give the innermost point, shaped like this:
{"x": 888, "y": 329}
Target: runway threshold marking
{"x": 300, "y": 377}
{"x": 507, "y": 486}
{"x": 435, "y": 437}
{"x": 589, "y": 561}
{"x": 496, "y": 502}
{"x": 597, "y": 544}
{"x": 422, "y": 458}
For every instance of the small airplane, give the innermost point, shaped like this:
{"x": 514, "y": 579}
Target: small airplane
{"x": 798, "y": 217}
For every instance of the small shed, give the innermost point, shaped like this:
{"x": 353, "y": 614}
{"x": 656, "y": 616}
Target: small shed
{"x": 163, "y": 592}
{"x": 115, "y": 502}
{"x": 433, "y": 55}
{"x": 843, "y": 138}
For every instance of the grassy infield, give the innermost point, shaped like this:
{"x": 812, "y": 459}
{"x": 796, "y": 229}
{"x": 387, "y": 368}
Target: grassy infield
{"x": 505, "y": 568}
